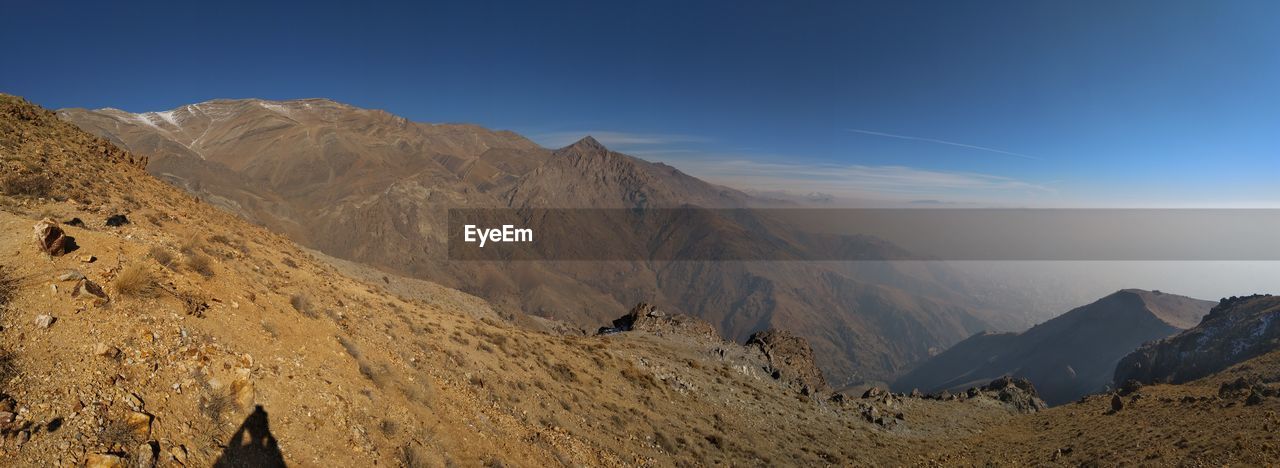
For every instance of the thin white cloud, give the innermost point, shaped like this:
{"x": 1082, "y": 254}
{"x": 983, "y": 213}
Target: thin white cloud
{"x": 861, "y": 182}
{"x": 945, "y": 142}
{"x": 612, "y": 139}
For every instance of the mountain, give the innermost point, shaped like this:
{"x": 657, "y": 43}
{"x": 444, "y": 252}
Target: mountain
{"x": 1236, "y": 330}
{"x": 181, "y": 335}
{"x": 373, "y": 188}
{"x": 1067, "y": 357}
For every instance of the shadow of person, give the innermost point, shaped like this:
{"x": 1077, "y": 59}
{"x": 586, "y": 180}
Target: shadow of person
{"x": 252, "y": 445}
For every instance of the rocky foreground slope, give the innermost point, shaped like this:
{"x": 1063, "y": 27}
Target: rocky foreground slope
{"x": 178, "y": 335}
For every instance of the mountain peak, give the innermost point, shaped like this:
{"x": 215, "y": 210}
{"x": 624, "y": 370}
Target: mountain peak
{"x": 588, "y": 144}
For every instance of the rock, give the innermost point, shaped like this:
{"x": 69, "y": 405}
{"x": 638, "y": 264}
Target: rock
{"x": 90, "y": 290}
{"x": 88, "y": 259}
{"x": 133, "y": 401}
{"x": 71, "y": 275}
{"x": 791, "y": 356}
{"x": 146, "y": 454}
{"x": 105, "y": 350}
{"x": 1117, "y": 403}
{"x": 1016, "y": 393}
{"x": 874, "y": 392}
{"x": 1129, "y": 386}
{"x": 139, "y": 424}
{"x": 6, "y": 417}
{"x": 1255, "y": 398}
{"x": 915, "y": 393}
{"x": 44, "y": 321}
{"x": 647, "y": 317}
{"x": 51, "y": 239}
{"x": 179, "y": 454}
{"x": 242, "y": 389}
{"x": 103, "y": 460}
{"x": 74, "y": 222}
{"x": 117, "y": 220}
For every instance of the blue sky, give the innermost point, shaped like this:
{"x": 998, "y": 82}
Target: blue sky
{"x": 1135, "y": 103}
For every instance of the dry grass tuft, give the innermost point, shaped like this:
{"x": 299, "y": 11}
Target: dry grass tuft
{"x": 8, "y": 286}
{"x": 163, "y": 257}
{"x": 200, "y": 264}
{"x": 302, "y": 304}
{"x": 28, "y": 185}
{"x": 8, "y": 368}
{"x": 190, "y": 245}
{"x": 136, "y": 281}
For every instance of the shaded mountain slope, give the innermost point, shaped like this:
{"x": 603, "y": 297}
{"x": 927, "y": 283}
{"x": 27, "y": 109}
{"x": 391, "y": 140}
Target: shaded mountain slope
{"x": 1066, "y": 357}
{"x": 1236, "y": 330}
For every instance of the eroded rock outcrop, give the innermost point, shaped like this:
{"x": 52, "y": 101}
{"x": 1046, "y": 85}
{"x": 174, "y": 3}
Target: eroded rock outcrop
{"x": 1237, "y": 329}
{"x": 790, "y": 359}
{"x": 648, "y": 317}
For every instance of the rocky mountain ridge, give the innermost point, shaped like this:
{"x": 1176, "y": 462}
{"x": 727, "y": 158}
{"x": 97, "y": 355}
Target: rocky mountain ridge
{"x": 373, "y": 188}
{"x": 1067, "y": 357}
{"x": 1235, "y": 330}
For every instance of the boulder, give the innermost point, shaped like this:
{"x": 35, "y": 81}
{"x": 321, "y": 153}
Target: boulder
{"x": 117, "y": 220}
{"x": 790, "y": 359}
{"x": 1130, "y": 386}
{"x": 44, "y": 321}
{"x": 139, "y": 424}
{"x": 71, "y": 275}
{"x": 103, "y": 460}
{"x": 89, "y": 290}
{"x": 105, "y": 350}
{"x": 874, "y": 392}
{"x": 1016, "y": 393}
{"x": 51, "y": 239}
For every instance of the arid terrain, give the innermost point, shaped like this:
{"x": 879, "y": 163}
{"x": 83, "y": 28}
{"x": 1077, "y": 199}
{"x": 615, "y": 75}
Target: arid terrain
{"x": 182, "y": 335}
{"x": 371, "y": 187}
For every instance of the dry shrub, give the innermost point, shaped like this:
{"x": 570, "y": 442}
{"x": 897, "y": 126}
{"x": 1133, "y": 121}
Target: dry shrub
{"x": 8, "y": 286}
{"x": 136, "y": 281}
{"x": 8, "y": 368}
{"x": 190, "y": 245}
{"x": 214, "y": 404}
{"x": 29, "y": 185}
{"x": 163, "y": 257}
{"x": 302, "y": 304}
{"x": 200, "y": 264}
{"x": 410, "y": 458}
{"x": 638, "y": 377}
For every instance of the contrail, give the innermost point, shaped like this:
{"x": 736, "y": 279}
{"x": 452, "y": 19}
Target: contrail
{"x": 945, "y": 142}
